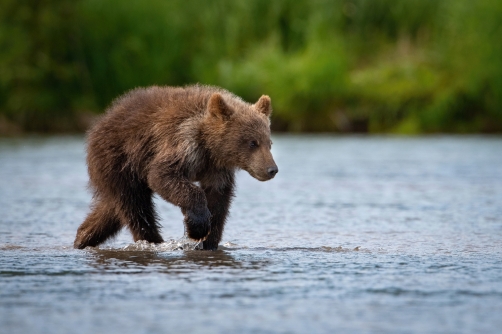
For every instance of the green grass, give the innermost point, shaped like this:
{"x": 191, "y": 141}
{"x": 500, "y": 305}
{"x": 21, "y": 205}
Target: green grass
{"x": 416, "y": 66}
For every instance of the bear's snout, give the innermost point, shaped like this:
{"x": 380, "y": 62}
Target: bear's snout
{"x": 263, "y": 174}
{"x": 263, "y": 166}
{"x": 272, "y": 171}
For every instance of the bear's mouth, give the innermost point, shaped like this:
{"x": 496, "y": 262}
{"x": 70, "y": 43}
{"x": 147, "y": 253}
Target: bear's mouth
{"x": 260, "y": 177}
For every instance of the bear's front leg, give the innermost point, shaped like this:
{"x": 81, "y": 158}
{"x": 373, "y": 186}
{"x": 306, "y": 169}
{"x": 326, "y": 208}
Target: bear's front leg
{"x": 181, "y": 192}
{"x": 219, "y": 199}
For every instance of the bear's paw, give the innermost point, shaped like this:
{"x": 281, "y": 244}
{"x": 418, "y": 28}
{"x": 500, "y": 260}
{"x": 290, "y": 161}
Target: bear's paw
{"x": 198, "y": 223}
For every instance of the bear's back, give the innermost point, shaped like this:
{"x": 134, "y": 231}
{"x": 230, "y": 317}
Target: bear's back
{"x": 169, "y": 101}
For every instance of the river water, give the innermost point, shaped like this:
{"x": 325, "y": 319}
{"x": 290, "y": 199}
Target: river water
{"x": 354, "y": 235}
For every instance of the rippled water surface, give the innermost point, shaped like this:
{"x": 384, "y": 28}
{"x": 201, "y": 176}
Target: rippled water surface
{"x": 354, "y": 235}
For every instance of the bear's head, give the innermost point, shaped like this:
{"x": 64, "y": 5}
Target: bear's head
{"x": 238, "y": 134}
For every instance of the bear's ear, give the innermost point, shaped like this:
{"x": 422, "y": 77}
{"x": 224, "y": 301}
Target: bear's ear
{"x": 218, "y": 108}
{"x": 264, "y": 105}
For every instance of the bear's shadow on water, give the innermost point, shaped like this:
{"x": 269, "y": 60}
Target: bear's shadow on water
{"x": 172, "y": 262}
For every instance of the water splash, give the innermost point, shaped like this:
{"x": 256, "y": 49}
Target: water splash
{"x": 229, "y": 245}
{"x": 184, "y": 243}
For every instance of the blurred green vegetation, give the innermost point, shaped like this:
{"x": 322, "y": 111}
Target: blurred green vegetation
{"x": 415, "y": 66}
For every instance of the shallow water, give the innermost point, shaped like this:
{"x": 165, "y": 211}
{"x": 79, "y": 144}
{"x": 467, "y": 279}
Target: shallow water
{"x": 354, "y": 235}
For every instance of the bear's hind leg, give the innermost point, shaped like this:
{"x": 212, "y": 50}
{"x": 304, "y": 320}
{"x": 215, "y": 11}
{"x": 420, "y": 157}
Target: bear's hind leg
{"x": 101, "y": 224}
{"x": 137, "y": 211}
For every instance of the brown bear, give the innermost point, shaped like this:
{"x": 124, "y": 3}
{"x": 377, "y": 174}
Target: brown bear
{"x": 183, "y": 143}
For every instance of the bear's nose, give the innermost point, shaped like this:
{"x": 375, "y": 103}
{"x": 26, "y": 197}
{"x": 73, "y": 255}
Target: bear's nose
{"x": 272, "y": 171}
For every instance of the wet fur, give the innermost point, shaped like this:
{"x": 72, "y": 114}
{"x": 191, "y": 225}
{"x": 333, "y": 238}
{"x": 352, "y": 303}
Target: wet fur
{"x": 163, "y": 140}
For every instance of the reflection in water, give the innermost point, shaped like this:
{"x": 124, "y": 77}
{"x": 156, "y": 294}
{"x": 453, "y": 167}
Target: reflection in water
{"x": 174, "y": 261}
{"x": 167, "y": 262}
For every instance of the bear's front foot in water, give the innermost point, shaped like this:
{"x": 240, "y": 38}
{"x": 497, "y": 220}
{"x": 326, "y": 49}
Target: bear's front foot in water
{"x": 198, "y": 223}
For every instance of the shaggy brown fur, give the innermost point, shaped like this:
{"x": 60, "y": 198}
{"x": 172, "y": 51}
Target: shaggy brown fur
{"x": 163, "y": 140}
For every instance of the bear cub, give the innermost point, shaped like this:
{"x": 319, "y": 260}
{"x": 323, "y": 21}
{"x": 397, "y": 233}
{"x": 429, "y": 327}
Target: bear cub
{"x": 183, "y": 143}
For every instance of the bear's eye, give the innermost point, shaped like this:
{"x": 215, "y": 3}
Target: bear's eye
{"x": 253, "y": 144}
